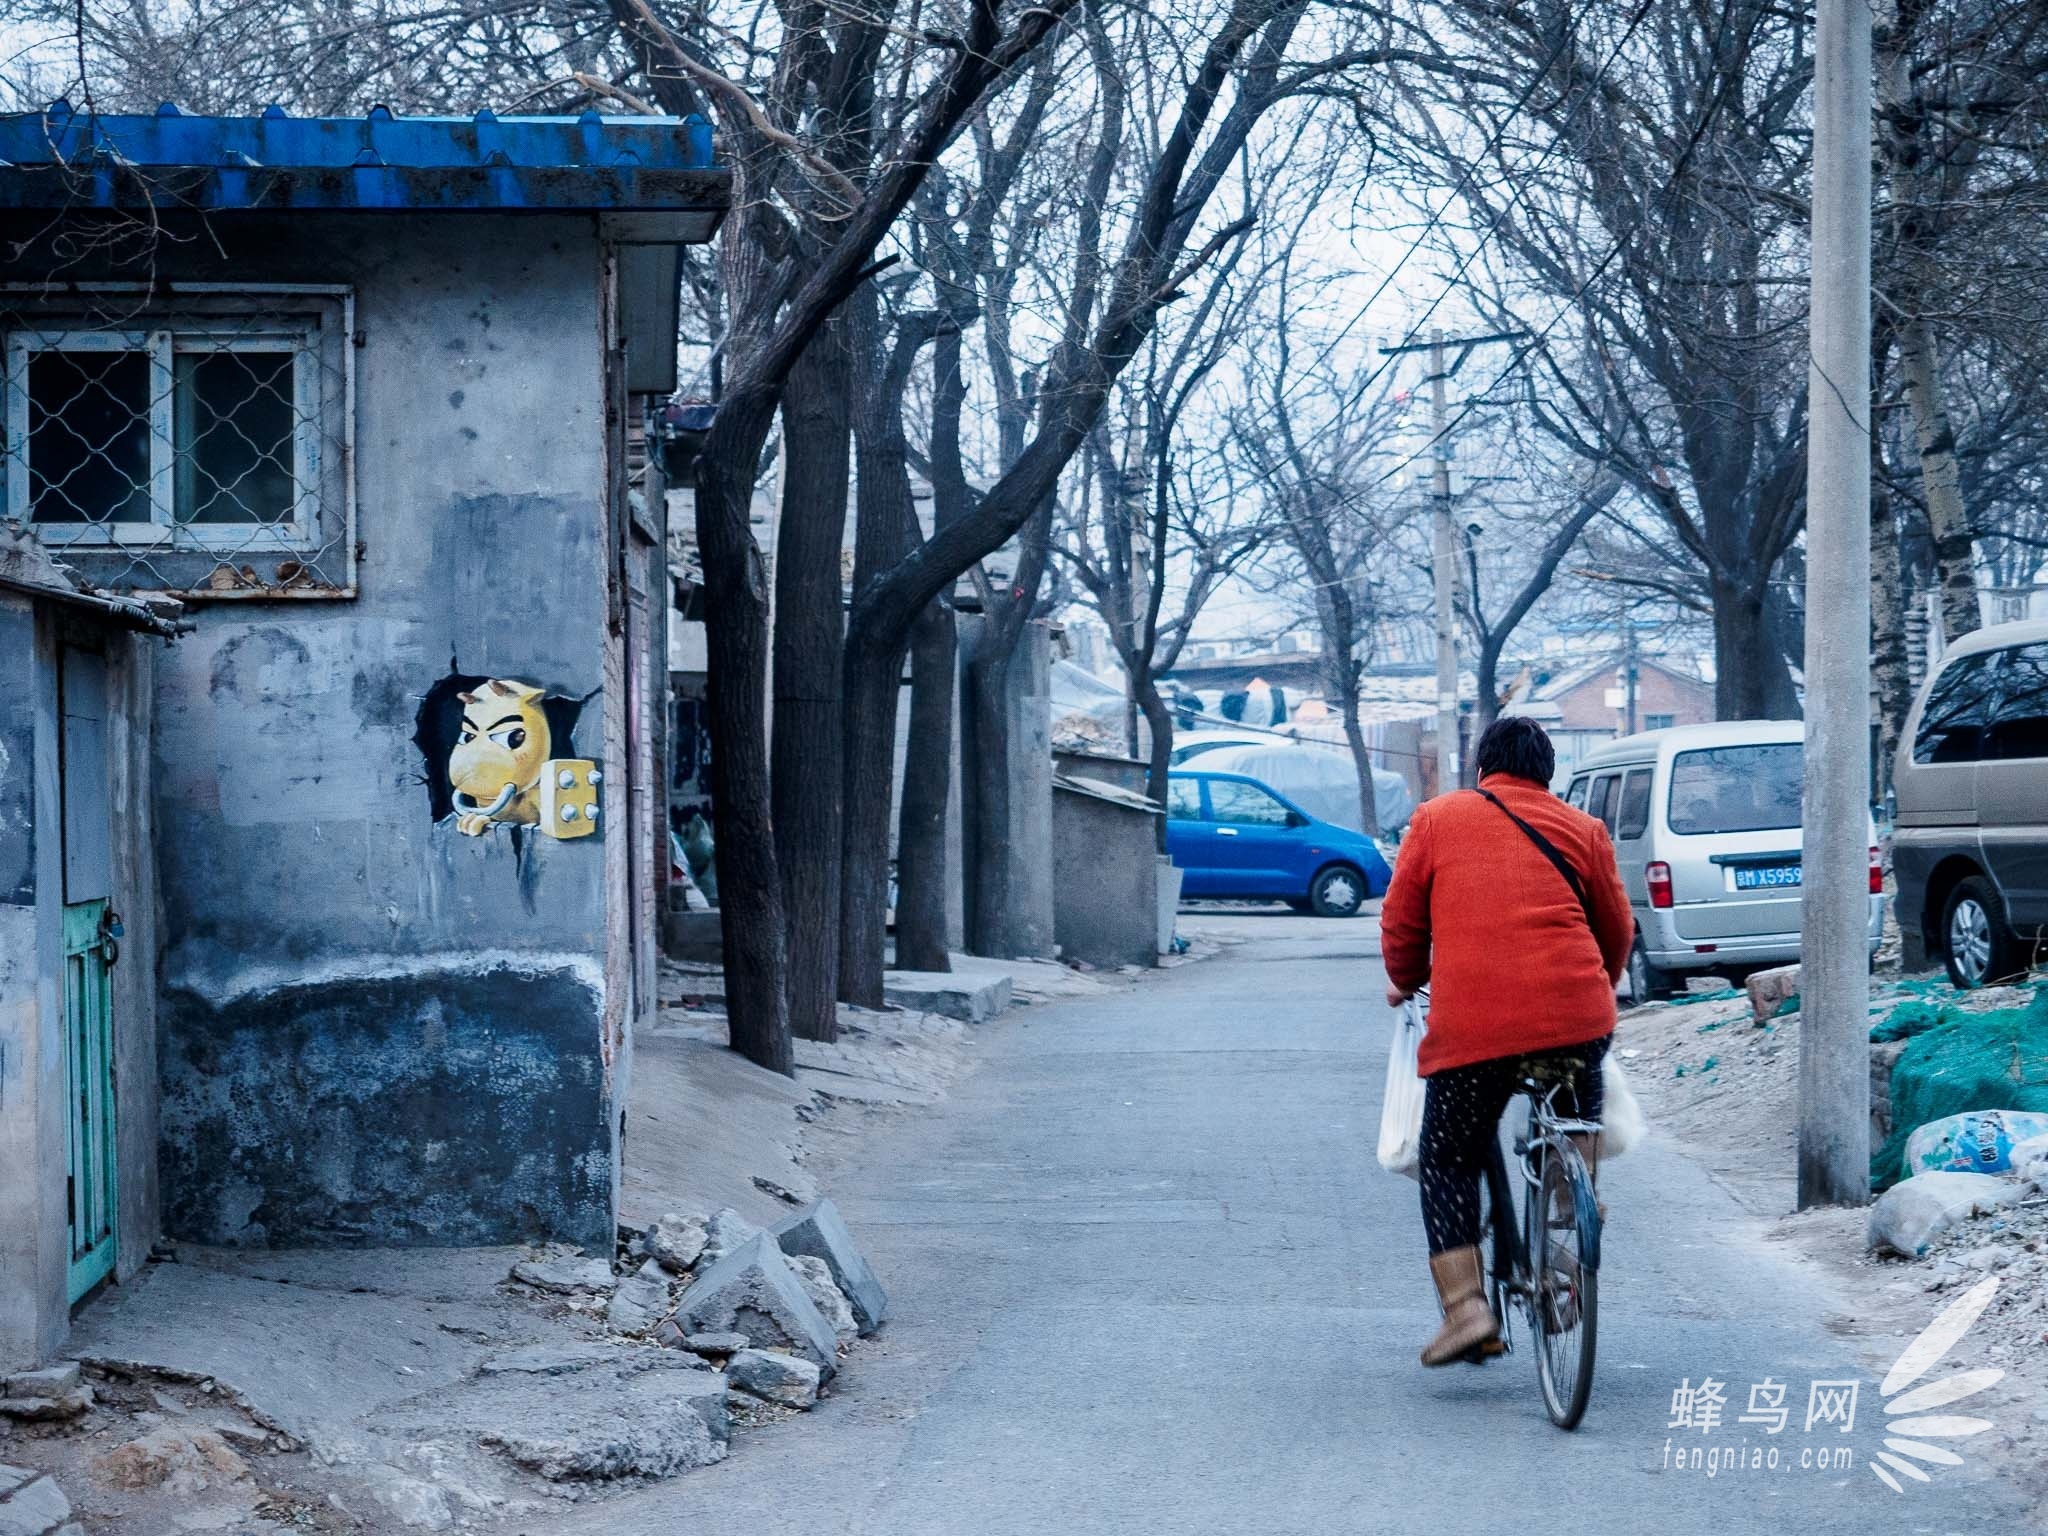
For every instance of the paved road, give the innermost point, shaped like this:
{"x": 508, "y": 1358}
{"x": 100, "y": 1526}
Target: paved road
{"x": 1148, "y": 1280}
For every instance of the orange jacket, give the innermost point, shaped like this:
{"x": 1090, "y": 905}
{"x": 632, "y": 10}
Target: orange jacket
{"x": 1478, "y": 913}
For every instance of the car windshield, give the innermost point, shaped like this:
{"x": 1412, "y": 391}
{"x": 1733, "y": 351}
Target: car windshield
{"x": 1738, "y": 789}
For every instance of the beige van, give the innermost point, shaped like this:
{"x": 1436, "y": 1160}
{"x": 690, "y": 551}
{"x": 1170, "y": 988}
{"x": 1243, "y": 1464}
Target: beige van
{"x": 1971, "y": 846}
{"x": 1706, "y": 827}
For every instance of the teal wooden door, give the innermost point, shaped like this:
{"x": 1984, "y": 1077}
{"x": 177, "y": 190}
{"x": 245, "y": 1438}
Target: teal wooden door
{"x": 89, "y": 1084}
{"x": 90, "y": 929}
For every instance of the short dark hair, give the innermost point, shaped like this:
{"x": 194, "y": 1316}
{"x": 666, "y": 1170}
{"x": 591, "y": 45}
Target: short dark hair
{"x": 1518, "y": 745}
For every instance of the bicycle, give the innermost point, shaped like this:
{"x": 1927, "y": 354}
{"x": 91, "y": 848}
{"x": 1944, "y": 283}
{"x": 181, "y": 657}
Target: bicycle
{"x": 1560, "y": 1297}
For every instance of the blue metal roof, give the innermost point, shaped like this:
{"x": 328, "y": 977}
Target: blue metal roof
{"x": 65, "y": 158}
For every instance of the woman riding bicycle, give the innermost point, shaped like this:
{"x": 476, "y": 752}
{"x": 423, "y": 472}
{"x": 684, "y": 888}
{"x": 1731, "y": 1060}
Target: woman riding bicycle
{"x": 1521, "y": 976}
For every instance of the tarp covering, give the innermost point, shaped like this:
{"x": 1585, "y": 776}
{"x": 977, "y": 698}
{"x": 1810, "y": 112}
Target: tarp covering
{"x": 1322, "y": 782}
{"x": 1956, "y": 1062}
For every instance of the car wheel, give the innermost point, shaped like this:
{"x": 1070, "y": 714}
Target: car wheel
{"x": 1339, "y": 891}
{"x": 1976, "y": 940}
{"x": 1646, "y": 983}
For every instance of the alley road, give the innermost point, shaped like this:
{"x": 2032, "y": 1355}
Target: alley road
{"x": 1148, "y": 1279}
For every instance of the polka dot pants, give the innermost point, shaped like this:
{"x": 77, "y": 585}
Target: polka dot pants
{"x": 1461, "y": 1110}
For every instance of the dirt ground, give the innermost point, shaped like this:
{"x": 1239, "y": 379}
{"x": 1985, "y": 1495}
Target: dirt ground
{"x": 1726, "y": 1089}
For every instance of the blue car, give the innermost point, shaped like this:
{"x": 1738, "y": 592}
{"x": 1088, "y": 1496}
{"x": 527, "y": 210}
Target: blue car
{"x": 1235, "y": 838}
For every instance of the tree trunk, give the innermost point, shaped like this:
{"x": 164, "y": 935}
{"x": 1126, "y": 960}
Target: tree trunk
{"x": 921, "y": 927}
{"x": 872, "y": 683}
{"x": 1160, "y": 763}
{"x": 988, "y": 674}
{"x": 1940, "y": 479}
{"x": 1361, "y": 761}
{"x": 749, "y": 885}
{"x": 1890, "y": 675}
{"x": 805, "y": 744}
{"x": 1486, "y": 669}
{"x": 1743, "y": 653}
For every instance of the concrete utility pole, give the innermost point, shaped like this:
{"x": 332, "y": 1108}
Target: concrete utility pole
{"x": 1834, "y": 1045}
{"x": 1446, "y": 564}
{"x": 1445, "y": 557}
{"x": 1628, "y": 675}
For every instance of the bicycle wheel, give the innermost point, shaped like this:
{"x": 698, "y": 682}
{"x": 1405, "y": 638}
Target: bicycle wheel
{"x": 1564, "y": 1253}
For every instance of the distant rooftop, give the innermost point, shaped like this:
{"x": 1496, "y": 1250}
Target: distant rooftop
{"x": 61, "y": 158}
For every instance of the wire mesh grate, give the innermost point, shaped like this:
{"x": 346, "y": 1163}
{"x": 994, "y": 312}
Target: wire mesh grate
{"x": 199, "y": 447}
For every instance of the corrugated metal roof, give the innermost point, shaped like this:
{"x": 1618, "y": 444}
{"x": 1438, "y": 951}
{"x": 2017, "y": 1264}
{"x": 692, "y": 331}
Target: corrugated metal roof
{"x": 61, "y": 157}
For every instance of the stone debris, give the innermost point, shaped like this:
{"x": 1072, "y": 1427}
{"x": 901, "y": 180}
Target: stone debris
{"x": 774, "y": 1377}
{"x": 821, "y": 1233}
{"x": 1769, "y": 991}
{"x": 1913, "y": 1212}
{"x": 715, "y": 1346}
{"x": 646, "y": 1423}
{"x": 53, "y": 1393}
{"x": 178, "y": 1458}
{"x": 753, "y": 1291}
{"x": 728, "y": 1232}
{"x": 641, "y": 1300}
{"x": 32, "y": 1505}
{"x": 830, "y": 1301}
{"x": 676, "y": 1243}
{"x": 565, "y": 1274}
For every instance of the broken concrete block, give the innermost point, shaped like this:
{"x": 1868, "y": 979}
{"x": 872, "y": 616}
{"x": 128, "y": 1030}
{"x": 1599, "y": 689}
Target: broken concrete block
{"x": 715, "y": 1346}
{"x": 830, "y": 1301}
{"x": 1770, "y": 990}
{"x": 12, "y": 1478}
{"x": 51, "y": 1381}
{"x": 565, "y": 1275}
{"x": 973, "y": 1000}
{"x": 640, "y": 1301}
{"x": 774, "y": 1377}
{"x": 753, "y": 1291}
{"x": 648, "y": 1423}
{"x": 677, "y": 1242}
{"x": 727, "y": 1232}
{"x": 821, "y": 1232}
{"x": 70, "y": 1405}
{"x": 178, "y": 1458}
{"x": 35, "y": 1509}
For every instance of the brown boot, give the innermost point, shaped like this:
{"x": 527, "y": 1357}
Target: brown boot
{"x": 1467, "y": 1318}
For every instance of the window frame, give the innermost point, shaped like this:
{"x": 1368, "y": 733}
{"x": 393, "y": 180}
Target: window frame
{"x": 319, "y": 319}
{"x": 1993, "y": 663}
{"x": 1629, "y": 781}
{"x": 1210, "y": 786}
{"x": 162, "y": 346}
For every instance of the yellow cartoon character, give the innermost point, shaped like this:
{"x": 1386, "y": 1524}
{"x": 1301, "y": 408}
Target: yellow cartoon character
{"x": 499, "y": 757}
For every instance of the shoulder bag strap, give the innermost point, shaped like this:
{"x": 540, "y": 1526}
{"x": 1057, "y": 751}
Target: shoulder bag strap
{"x": 1557, "y": 860}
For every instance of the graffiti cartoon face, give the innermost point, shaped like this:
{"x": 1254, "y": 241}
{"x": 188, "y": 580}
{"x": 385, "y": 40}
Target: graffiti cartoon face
{"x": 495, "y": 765}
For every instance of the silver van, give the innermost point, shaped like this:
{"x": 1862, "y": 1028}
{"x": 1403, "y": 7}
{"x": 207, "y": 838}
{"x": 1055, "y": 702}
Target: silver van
{"x": 1705, "y": 823}
{"x": 1971, "y": 846}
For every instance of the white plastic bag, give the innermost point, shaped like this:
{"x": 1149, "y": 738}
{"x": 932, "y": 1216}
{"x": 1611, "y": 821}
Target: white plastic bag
{"x": 1622, "y": 1123}
{"x": 1401, "y": 1105}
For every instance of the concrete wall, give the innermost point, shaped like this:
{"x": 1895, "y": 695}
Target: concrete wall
{"x": 1106, "y": 879}
{"x": 32, "y": 1150}
{"x": 373, "y": 1028}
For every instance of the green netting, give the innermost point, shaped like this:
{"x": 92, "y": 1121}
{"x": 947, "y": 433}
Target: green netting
{"x": 1912, "y": 1017}
{"x": 1957, "y": 1062}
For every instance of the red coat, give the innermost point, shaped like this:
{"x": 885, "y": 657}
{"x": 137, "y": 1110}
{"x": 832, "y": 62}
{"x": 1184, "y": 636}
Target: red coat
{"x": 1478, "y": 913}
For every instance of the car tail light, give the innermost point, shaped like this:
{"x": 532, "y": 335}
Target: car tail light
{"x": 1876, "y": 874}
{"x": 1657, "y": 875}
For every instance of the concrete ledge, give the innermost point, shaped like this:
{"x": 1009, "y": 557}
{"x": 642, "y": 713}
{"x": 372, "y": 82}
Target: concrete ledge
{"x": 973, "y": 998}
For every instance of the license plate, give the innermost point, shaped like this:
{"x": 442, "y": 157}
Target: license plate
{"x": 1766, "y": 877}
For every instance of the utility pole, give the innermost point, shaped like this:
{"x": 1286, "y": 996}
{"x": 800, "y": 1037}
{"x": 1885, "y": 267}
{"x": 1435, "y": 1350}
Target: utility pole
{"x": 1834, "y": 988}
{"x": 1445, "y": 557}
